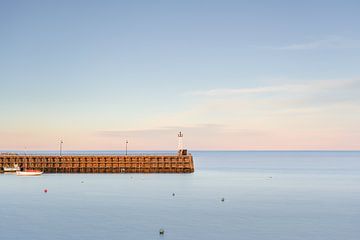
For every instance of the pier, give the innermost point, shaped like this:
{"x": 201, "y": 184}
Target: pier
{"x": 179, "y": 162}
{"x": 182, "y": 162}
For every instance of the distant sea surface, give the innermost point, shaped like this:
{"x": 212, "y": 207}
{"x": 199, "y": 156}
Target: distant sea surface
{"x": 267, "y": 195}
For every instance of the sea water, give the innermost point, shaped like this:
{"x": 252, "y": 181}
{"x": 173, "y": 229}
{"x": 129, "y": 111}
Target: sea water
{"x": 266, "y": 195}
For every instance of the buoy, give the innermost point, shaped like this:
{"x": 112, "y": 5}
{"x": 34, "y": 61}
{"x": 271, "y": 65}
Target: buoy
{"x": 161, "y": 231}
{"x": 82, "y": 181}
{"x": 173, "y": 194}
{"x": 223, "y": 199}
{"x": 45, "y": 190}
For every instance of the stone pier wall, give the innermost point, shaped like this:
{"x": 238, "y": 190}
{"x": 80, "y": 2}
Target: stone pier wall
{"x": 102, "y": 164}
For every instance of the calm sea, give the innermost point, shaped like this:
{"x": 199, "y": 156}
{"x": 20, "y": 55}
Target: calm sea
{"x": 267, "y": 195}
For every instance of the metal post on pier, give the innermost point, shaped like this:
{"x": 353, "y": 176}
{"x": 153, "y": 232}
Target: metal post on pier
{"x": 61, "y": 143}
{"x": 126, "y": 143}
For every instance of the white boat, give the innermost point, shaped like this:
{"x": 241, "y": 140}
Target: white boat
{"x": 29, "y": 173}
{"x": 15, "y": 168}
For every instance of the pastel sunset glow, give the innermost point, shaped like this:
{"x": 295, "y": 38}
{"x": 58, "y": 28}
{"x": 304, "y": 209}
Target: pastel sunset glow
{"x": 231, "y": 75}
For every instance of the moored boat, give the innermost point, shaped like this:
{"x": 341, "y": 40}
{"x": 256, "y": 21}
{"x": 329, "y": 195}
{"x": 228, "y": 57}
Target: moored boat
{"x": 15, "y": 168}
{"x": 29, "y": 173}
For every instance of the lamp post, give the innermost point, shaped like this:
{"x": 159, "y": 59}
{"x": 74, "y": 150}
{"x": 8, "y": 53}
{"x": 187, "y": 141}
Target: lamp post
{"x": 61, "y": 143}
{"x": 126, "y": 143}
{"x": 180, "y": 143}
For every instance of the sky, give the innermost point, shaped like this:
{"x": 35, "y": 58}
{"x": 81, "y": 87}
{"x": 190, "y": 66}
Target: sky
{"x": 231, "y": 75}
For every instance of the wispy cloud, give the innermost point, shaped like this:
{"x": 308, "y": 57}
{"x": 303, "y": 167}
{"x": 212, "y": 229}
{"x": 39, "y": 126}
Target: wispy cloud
{"x": 236, "y": 91}
{"x": 286, "y": 88}
{"x": 155, "y": 132}
{"x": 326, "y": 43}
{"x": 199, "y": 136}
{"x": 196, "y": 129}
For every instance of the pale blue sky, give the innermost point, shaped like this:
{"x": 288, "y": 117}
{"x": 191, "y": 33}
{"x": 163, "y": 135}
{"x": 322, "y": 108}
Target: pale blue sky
{"x": 230, "y": 70}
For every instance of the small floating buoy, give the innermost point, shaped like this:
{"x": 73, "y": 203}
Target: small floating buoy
{"x": 173, "y": 194}
{"x": 161, "y": 231}
{"x": 45, "y": 190}
{"x": 223, "y": 199}
{"x": 82, "y": 181}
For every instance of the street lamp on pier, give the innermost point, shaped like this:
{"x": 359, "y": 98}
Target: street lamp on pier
{"x": 126, "y": 143}
{"x": 61, "y": 143}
